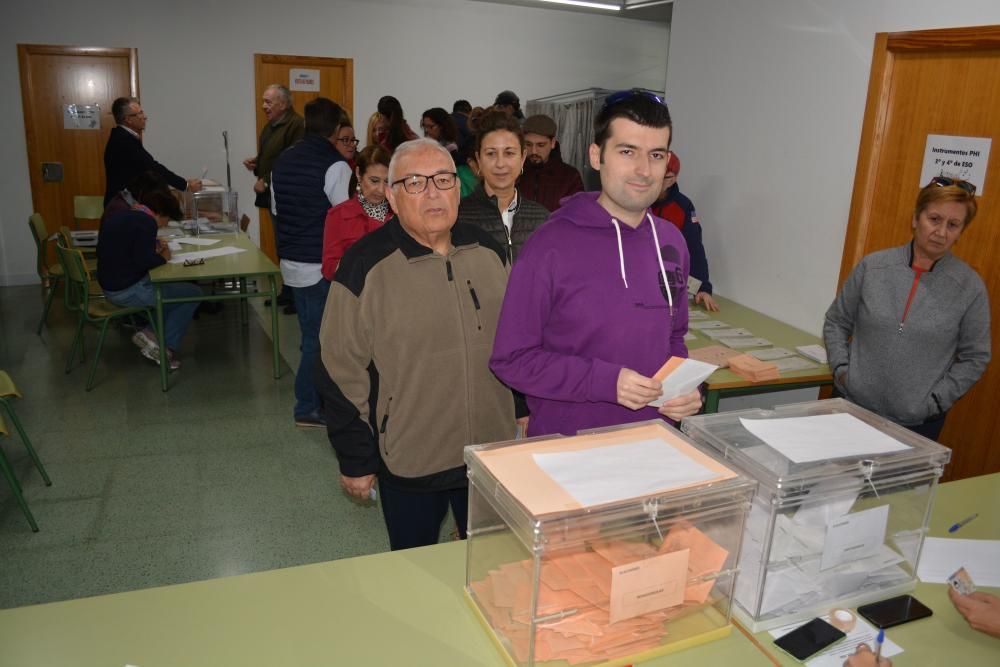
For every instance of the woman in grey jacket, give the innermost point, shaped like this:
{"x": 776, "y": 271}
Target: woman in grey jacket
{"x": 909, "y": 332}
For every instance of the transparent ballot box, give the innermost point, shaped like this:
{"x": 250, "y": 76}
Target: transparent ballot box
{"x": 215, "y": 210}
{"x": 611, "y": 546}
{"x": 842, "y": 506}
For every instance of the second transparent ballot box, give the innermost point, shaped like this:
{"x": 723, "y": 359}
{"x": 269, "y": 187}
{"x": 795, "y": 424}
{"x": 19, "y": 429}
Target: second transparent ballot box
{"x": 214, "y": 209}
{"x": 843, "y": 502}
{"x": 612, "y": 544}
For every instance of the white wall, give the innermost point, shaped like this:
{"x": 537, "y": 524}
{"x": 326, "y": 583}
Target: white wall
{"x": 768, "y": 99}
{"x": 196, "y": 69}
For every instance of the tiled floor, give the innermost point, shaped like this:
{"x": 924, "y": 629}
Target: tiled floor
{"x": 210, "y": 479}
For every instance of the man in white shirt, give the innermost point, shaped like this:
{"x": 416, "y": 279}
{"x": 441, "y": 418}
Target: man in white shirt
{"x": 306, "y": 180}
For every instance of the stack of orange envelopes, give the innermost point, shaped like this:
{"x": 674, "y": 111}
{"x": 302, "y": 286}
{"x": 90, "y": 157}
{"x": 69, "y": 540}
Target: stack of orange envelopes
{"x": 753, "y": 369}
{"x": 575, "y": 597}
{"x": 716, "y": 355}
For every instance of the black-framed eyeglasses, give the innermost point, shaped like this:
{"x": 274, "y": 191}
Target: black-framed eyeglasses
{"x": 349, "y": 142}
{"x": 946, "y": 182}
{"x": 414, "y": 184}
{"x": 622, "y": 95}
{"x": 194, "y": 262}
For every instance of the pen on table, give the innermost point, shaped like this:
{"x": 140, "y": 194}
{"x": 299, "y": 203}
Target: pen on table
{"x": 878, "y": 644}
{"x": 961, "y": 523}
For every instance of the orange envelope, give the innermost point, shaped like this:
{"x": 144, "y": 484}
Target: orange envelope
{"x": 706, "y": 558}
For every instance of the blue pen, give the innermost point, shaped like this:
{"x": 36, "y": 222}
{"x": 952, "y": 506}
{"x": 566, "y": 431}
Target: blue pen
{"x": 878, "y": 644}
{"x": 961, "y": 523}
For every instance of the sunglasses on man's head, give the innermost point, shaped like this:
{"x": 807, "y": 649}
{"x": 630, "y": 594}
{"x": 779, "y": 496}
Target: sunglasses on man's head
{"x": 622, "y": 95}
{"x": 945, "y": 182}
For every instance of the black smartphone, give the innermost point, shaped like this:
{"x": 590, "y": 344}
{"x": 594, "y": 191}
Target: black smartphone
{"x": 809, "y": 639}
{"x": 894, "y": 611}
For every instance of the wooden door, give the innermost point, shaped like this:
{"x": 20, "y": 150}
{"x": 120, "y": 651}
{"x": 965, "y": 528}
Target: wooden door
{"x": 335, "y": 81}
{"x": 53, "y": 77}
{"x": 935, "y": 82}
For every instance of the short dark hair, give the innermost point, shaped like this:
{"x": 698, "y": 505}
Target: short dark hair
{"x": 161, "y": 203}
{"x": 443, "y": 119}
{"x": 496, "y": 120}
{"x": 461, "y": 106}
{"x": 119, "y": 108}
{"x": 640, "y": 107}
{"x": 324, "y": 117}
{"x": 147, "y": 181}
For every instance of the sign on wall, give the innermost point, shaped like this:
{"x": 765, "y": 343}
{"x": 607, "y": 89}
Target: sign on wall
{"x": 303, "y": 79}
{"x": 81, "y": 117}
{"x": 957, "y": 157}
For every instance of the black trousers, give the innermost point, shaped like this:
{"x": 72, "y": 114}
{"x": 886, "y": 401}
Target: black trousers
{"x": 414, "y": 519}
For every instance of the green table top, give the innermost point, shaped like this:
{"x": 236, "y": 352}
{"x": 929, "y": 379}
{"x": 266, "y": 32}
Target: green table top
{"x": 945, "y": 638}
{"x": 762, "y": 326}
{"x": 253, "y": 262}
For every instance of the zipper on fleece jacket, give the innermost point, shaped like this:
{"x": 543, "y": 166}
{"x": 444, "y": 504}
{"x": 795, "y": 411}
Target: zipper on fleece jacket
{"x": 475, "y": 302}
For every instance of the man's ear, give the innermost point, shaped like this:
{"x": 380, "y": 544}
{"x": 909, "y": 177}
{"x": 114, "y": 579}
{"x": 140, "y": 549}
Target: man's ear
{"x": 595, "y": 157}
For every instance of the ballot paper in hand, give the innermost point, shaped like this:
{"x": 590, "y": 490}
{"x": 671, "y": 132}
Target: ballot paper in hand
{"x": 681, "y": 376}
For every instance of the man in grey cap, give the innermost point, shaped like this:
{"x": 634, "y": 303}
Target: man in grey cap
{"x": 508, "y": 101}
{"x": 546, "y": 178}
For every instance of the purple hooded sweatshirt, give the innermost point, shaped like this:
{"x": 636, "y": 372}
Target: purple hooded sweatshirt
{"x": 584, "y": 300}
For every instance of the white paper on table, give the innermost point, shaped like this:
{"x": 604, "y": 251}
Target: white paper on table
{"x": 206, "y": 254}
{"x": 792, "y": 364}
{"x": 707, "y": 324}
{"x": 689, "y": 336}
{"x": 771, "y": 354}
{"x": 190, "y": 240}
{"x": 854, "y": 536}
{"x": 619, "y": 472}
{"x": 174, "y": 246}
{"x": 728, "y": 333}
{"x": 814, "y": 352}
{"x": 835, "y": 655}
{"x": 684, "y": 379}
{"x": 942, "y": 556}
{"x": 697, "y": 315}
{"x": 822, "y": 437}
{"x": 740, "y": 343}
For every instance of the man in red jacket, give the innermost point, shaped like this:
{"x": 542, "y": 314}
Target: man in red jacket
{"x": 546, "y": 178}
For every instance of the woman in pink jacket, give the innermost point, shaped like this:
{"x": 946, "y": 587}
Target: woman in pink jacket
{"x": 367, "y": 211}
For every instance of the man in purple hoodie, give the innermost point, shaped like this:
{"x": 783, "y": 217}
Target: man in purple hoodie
{"x": 598, "y": 299}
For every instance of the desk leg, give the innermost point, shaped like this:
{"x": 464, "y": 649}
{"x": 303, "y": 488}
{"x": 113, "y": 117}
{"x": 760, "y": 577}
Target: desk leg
{"x": 274, "y": 323}
{"x": 711, "y": 402}
{"x": 243, "y": 302}
{"x": 162, "y": 337}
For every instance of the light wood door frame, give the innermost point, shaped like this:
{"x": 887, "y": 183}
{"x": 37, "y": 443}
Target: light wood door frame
{"x": 24, "y": 51}
{"x": 873, "y": 131}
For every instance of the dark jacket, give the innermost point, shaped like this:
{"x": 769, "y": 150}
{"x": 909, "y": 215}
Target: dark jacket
{"x": 125, "y": 158}
{"x": 274, "y": 139}
{"x": 126, "y": 250}
{"x": 405, "y": 345}
{"x": 550, "y": 182}
{"x": 297, "y": 181}
{"x": 480, "y": 209}
{"x": 675, "y": 207}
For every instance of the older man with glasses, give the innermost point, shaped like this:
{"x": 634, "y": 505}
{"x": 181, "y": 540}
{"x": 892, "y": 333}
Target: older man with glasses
{"x": 405, "y": 341}
{"x": 125, "y": 158}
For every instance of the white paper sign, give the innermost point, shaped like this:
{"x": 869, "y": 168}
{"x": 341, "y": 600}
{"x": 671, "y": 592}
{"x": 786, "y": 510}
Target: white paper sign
{"x": 303, "y": 79}
{"x": 956, "y": 157}
{"x": 81, "y": 117}
{"x": 854, "y": 536}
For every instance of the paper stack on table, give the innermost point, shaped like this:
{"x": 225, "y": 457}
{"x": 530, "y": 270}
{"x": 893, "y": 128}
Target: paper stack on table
{"x": 814, "y": 352}
{"x": 741, "y": 343}
{"x": 753, "y": 369}
{"x": 713, "y": 354}
{"x": 590, "y": 592}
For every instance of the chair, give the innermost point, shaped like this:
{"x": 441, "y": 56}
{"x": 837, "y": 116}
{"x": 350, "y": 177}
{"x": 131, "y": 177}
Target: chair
{"x": 66, "y": 238}
{"x": 8, "y": 391}
{"x": 96, "y": 311}
{"x": 50, "y": 275}
{"x": 87, "y": 207}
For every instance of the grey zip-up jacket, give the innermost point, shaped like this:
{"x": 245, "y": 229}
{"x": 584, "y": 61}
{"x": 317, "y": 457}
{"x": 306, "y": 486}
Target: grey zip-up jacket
{"x": 912, "y": 371}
